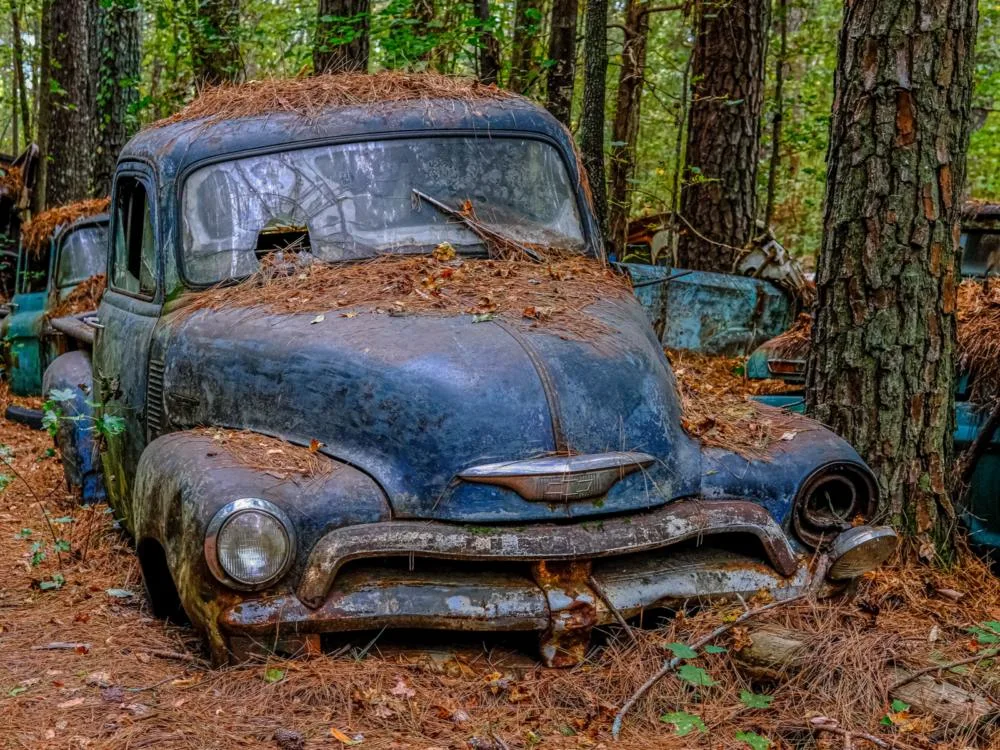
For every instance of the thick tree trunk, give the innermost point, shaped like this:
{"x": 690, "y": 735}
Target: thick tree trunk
{"x": 70, "y": 104}
{"x": 625, "y": 129}
{"x": 881, "y": 369}
{"x": 341, "y": 42}
{"x": 44, "y": 103}
{"x": 215, "y": 42}
{"x": 527, "y": 27}
{"x": 595, "y": 68}
{"x": 562, "y": 53}
{"x": 119, "y": 46}
{"x": 718, "y": 201}
{"x": 487, "y": 48}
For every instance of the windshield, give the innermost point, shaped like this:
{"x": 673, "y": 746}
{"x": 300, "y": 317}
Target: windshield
{"x": 84, "y": 254}
{"x": 981, "y": 253}
{"x": 356, "y": 200}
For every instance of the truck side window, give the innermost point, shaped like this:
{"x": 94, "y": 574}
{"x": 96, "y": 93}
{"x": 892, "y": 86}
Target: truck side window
{"x": 134, "y": 265}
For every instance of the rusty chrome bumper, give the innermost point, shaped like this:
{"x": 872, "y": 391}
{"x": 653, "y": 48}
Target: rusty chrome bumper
{"x": 585, "y": 540}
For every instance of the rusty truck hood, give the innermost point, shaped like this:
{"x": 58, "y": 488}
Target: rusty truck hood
{"x": 415, "y": 401}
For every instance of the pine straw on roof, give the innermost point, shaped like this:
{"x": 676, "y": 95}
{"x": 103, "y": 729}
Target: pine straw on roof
{"x": 794, "y": 343}
{"x": 85, "y": 297}
{"x": 979, "y": 337}
{"x": 309, "y": 97}
{"x": 552, "y": 295}
{"x": 36, "y": 233}
{"x": 12, "y": 182}
{"x": 272, "y": 456}
{"x": 117, "y": 691}
{"x": 717, "y": 409}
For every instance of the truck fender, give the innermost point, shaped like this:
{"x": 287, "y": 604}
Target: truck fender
{"x": 75, "y": 436}
{"x": 184, "y": 478}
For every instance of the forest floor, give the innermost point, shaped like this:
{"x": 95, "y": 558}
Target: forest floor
{"x": 84, "y": 664}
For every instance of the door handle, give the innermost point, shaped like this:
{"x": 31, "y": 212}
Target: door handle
{"x": 94, "y": 322}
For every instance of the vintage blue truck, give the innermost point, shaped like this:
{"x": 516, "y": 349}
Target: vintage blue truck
{"x": 475, "y": 472}
{"x": 74, "y": 253}
{"x": 785, "y": 358}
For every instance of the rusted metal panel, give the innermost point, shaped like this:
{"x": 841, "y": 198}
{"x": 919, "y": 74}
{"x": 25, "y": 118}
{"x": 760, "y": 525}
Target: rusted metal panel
{"x": 553, "y": 542}
{"x": 572, "y": 611}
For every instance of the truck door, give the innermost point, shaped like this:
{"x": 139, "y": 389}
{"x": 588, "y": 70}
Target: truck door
{"x": 125, "y": 321}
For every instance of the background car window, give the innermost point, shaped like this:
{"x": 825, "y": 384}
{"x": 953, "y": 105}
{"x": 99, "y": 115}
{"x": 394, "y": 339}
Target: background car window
{"x": 133, "y": 269}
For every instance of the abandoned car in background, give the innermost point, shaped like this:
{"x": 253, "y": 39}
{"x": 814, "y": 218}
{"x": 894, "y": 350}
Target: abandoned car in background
{"x": 333, "y": 443}
{"x": 57, "y": 257}
{"x": 784, "y": 358}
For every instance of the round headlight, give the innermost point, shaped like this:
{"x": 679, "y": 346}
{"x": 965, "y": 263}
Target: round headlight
{"x": 831, "y": 500}
{"x": 249, "y": 544}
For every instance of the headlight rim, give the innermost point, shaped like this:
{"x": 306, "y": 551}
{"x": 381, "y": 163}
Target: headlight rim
{"x": 863, "y": 483}
{"x": 227, "y": 512}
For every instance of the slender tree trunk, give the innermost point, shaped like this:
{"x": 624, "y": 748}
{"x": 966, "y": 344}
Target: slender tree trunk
{"x": 779, "y": 112}
{"x": 423, "y": 12}
{"x": 718, "y": 200}
{"x": 44, "y": 103}
{"x": 341, "y": 42}
{"x": 120, "y": 56}
{"x": 215, "y": 41}
{"x": 22, "y": 89}
{"x": 70, "y": 105}
{"x": 595, "y": 68}
{"x": 625, "y": 129}
{"x": 527, "y": 28}
{"x": 562, "y": 54}
{"x": 488, "y": 48}
{"x": 881, "y": 368}
{"x": 15, "y": 134}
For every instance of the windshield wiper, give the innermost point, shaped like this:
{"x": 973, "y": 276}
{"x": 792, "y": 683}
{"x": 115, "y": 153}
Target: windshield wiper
{"x": 490, "y": 237}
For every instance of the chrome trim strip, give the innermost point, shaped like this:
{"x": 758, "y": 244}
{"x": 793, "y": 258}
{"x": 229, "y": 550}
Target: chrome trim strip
{"x": 558, "y": 465}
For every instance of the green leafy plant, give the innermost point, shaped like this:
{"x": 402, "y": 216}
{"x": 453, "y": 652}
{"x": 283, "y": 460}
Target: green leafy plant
{"x": 684, "y": 723}
{"x": 987, "y": 633}
{"x": 695, "y": 675}
{"x": 755, "y": 700}
{"x": 753, "y": 740}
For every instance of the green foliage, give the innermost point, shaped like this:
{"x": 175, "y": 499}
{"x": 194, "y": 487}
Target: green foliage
{"x": 273, "y": 674}
{"x": 753, "y": 740}
{"x": 695, "y": 675}
{"x": 681, "y": 650}
{"x": 755, "y": 700}
{"x": 684, "y": 723}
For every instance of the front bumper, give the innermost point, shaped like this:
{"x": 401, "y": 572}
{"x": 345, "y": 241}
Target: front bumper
{"x": 558, "y": 580}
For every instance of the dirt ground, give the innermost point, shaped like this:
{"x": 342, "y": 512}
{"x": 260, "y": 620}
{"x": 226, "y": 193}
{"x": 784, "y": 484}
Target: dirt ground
{"x": 84, "y": 664}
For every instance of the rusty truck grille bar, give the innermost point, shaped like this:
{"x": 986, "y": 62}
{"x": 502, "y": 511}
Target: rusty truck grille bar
{"x": 621, "y": 535}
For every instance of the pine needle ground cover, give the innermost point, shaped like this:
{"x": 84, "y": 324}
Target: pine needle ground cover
{"x": 37, "y": 232}
{"x": 83, "y": 663}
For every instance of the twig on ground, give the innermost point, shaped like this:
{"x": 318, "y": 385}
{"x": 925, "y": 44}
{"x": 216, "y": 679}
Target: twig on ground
{"x": 671, "y": 664}
{"x": 599, "y": 590}
{"x": 60, "y": 646}
{"x": 988, "y": 654}
{"x": 178, "y": 655}
{"x": 826, "y": 724}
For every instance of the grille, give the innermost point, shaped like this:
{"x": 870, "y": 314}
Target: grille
{"x": 154, "y": 399}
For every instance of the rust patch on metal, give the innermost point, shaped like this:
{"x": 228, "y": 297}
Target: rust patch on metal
{"x": 572, "y": 611}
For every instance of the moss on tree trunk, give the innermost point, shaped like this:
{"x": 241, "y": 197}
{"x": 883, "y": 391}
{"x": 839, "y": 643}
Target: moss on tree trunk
{"x": 881, "y": 372}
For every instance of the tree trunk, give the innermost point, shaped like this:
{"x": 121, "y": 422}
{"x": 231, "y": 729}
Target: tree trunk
{"x": 487, "y": 46}
{"x": 527, "y": 27}
{"x": 70, "y": 105}
{"x": 119, "y": 37}
{"x": 562, "y": 54}
{"x": 881, "y": 368}
{"x": 21, "y": 90}
{"x": 625, "y": 129}
{"x": 44, "y": 104}
{"x": 215, "y": 42}
{"x": 341, "y": 42}
{"x": 595, "y": 67}
{"x": 718, "y": 200}
{"x": 422, "y": 11}
{"x": 779, "y": 112}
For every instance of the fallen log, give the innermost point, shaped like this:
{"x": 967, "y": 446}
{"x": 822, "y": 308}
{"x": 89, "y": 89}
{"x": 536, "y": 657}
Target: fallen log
{"x": 774, "y": 651}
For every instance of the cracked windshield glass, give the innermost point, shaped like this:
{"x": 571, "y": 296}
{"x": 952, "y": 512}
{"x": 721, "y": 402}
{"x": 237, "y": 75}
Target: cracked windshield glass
{"x": 355, "y": 201}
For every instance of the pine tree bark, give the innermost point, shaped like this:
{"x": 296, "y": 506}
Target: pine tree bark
{"x": 527, "y": 27}
{"x": 488, "y": 47}
{"x": 69, "y": 156}
{"x": 881, "y": 369}
{"x": 562, "y": 54}
{"x": 341, "y": 42}
{"x": 595, "y": 67}
{"x": 718, "y": 199}
{"x": 779, "y": 112}
{"x": 215, "y": 42}
{"x": 625, "y": 129}
{"x": 44, "y": 104}
{"x": 119, "y": 49}
{"x": 19, "y": 78}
